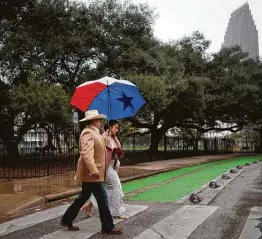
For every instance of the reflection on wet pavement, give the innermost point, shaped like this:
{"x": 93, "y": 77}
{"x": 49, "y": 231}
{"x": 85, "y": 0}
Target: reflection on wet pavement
{"x": 18, "y": 192}
{"x": 52, "y": 184}
{"x": 39, "y": 186}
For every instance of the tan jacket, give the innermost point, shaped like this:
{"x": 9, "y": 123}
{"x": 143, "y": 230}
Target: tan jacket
{"x": 92, "y": 157}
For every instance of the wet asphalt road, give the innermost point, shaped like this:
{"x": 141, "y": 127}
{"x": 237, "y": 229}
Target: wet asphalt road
{"x": 235, "y": 203}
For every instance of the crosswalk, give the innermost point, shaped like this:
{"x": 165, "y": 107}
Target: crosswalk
{"x": 253, "y": 226}
{"x": 91, "y": 226}
{"x": 88, "y": 227}
{"x": 179, "y": 224}
{"x": 31, "y": 220}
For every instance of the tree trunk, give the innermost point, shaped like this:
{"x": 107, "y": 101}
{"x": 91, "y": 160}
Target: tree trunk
{"x": 12, "y": 150}
{"x": 10, "y": 141}
{"x": 66, "y": 142}
{"x": 50, "y": 140}
{"x": 165, "y": 143}
{"x": 50, "y": 144}
{"x": 195, "y": 144}
{"x": 205, "y": 145}
{"x": 260, "y": 141}
{"x": 58, "y": 142}
{"x": 156, "y": 136}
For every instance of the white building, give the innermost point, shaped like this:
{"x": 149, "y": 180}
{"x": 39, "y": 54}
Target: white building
{"x": 34, "y": 139}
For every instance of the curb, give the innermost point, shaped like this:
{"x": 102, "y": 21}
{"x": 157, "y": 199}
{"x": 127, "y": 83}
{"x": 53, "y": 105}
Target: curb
{"x": 140, "y": 176}
{"x": 34, "y": 203}
{"x": 59, "y": 196}
{"x": 207, "y": 194}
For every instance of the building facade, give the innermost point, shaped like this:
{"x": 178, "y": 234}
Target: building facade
{"x": 242, "y": 31}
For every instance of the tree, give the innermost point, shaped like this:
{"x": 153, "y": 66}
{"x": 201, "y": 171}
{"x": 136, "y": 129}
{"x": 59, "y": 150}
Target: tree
{"x": 169, "y": 104}
{"x": 202, "y": 92}
{"x": 31, "y": 104}
{"x": 77, "y": 42}
{"x": 231, "y": 88}
{"x": 11, "y": 10}
{"x": 69, "y": 42}
{"x": 227, "y": 93}
{"x": 252, "y": 103}
{"x": 178, "y": 96}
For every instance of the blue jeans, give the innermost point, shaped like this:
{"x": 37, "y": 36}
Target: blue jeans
{"x": 99, "y": 192}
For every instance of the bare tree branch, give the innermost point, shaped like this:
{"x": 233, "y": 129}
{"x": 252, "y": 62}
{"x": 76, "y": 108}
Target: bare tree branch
{"x": 137, "y": 133}
{"x": 136, "y": 123}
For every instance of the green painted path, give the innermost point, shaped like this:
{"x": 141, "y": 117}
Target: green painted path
{"x": 188, "y": 180}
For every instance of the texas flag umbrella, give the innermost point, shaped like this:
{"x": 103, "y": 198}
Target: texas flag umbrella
{"x": 115, "y": 98}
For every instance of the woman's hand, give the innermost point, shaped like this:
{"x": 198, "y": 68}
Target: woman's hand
{"x": 116, "y": 165}
{"x": 116, "y": 168}
{"x": 118, "y": 152}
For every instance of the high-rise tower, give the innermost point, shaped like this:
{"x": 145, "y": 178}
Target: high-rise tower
{"x": 242, "y": 31}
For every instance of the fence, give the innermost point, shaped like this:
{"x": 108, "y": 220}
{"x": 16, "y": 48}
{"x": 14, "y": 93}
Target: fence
{"x": 61, "y": 156}
{"x": 180, "y": 144}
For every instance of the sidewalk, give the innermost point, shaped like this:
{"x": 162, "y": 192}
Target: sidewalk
{"x": 19, "y": 195}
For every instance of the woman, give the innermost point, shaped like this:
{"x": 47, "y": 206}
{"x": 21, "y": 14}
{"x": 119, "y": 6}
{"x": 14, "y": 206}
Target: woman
{"x": 112, "y": 184}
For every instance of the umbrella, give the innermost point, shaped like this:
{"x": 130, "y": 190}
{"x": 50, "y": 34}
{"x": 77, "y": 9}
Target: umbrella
{"x": 115, "y": 98}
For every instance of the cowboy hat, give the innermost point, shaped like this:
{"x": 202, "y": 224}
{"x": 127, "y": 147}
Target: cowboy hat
{"x": 91, "y": 115}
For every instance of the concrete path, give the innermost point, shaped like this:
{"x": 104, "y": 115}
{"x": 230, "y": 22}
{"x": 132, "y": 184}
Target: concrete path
{"x": 179, "y": 163}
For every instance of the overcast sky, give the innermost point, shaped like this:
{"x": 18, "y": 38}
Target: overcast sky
{"x": 181, "y": 17}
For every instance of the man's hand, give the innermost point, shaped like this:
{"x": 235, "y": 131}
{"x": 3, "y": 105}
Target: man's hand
{"x": 95, "y": 176}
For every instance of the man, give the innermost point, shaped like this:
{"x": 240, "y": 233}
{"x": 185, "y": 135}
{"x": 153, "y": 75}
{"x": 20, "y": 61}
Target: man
{"x": 91, "y": 173}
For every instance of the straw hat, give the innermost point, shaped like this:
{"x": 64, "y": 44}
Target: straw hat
{"x": 91, "y": 115}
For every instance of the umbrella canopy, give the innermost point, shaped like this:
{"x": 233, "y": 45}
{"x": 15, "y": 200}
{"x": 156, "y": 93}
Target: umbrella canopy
{"x": 115, "y": 98}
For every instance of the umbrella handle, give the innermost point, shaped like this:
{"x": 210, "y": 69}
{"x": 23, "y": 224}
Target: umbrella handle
{"x": 108, "y": 95}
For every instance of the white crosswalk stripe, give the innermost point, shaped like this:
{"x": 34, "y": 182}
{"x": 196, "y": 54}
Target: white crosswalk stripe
{"x": 253, "y": 226}
{"x": 180, "y": 224}
{"x": 91, "y": 226}
{"x": 31, "y": 220}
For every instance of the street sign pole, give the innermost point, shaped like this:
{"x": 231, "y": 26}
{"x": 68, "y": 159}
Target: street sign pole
{"x": 75, "y": 121}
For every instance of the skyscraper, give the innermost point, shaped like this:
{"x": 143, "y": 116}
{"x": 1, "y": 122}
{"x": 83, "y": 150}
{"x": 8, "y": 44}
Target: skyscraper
{"x": 242, "y": 31}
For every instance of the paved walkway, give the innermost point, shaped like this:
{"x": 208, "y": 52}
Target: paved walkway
{"x": 21, "y": 194}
